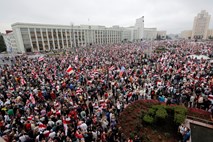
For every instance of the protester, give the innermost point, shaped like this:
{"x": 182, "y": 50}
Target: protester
{"x": 77, "y": 96}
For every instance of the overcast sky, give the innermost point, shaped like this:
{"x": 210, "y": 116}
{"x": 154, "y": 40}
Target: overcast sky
{"x": 170, "y": 15}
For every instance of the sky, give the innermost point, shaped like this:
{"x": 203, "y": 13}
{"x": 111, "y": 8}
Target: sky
{"x": 173, "y": 16}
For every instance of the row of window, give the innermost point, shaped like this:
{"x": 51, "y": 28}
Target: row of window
{"x": 46, "y": 39}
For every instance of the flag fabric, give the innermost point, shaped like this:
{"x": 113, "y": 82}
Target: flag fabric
{"x": 32, "y": 99}
{"x": 210, "y": 98}
{"x": 111, "y": 68}
{"x": 69, "y": 70}
{"x": 23, "y": 82}
{"x": 63, "y": 61}
{"x": 40, "y": 58}
{"x": 76, "y": 58}
{"x": 65, "y": 126}
{"x": 41, "y": 127}
{"x": 179, "y": 70}
{"x": 121, "y": 73}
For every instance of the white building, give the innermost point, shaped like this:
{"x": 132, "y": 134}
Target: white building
{"x": 210, "y": 33}
{"x": 41, "y": 37}
{"x": 139, "y": 27}
{"x": 201, "y": 25}
{"x": 161, "y": 34}
{"x": 10, "y": 42}
{"x": 150, "y": 33}
{"x": 187, "y": 34}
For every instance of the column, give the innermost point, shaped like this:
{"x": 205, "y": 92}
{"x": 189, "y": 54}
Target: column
{"x": 48, "y": 41}
{"x": 36, "y": 39}
{"x": 57, "y": 38}
{"x": 53, "y": 39}
{"x": 30, "y": 40}
{"x": 71, "y": 43}
{"x": 66, "y": 38}
{"x": 42, "y": 39}
{"x": 62, "y": 39}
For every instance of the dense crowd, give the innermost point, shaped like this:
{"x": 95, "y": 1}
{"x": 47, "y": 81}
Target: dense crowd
{"x": 77, "y": 95}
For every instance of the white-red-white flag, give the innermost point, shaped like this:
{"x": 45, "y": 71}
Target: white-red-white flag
{"x": 22, "y": 81}
{"x": 41, "y": 127}
{"x": 65, "y": 126}
{"x": 32, "y": 99}
{"x": 69, "y": 70}
{"x": 40, "y": 58}
{"x": 111, "y": 68}
{"x": 76, "y": 58}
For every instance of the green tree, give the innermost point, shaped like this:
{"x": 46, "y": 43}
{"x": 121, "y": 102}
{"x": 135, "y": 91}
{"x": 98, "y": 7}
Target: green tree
{"x": 2, "y": 44}
{"x": 210, "y": 37}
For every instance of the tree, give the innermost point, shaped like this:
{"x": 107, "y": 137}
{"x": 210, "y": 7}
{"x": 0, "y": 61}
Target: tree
{"x": 2, "y": 44}
{"x": 210, "y": 37}
{"x": 158, "y": 37}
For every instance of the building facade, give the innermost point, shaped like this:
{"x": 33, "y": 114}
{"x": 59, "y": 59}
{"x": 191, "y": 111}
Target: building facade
{"x": 31, "y": 37}
{"x": 42, "y": 37}
{"x": 187, "y": 34}
{"x": 161, "y": 34}
{"x": 210, "y": 33}
{"x": 10, "y": 42}
{"x": 201, "y": 25}
{"x": 150, "y": 33}
{"x": 139, "y": 27}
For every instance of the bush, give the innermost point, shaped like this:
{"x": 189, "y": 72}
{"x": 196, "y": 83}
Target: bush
{"x": 179, "y": 118}
{"x": 156, "y": 107}
{"x": 180, "y": 110}
{"x": 151, "y": 111}
{"x": 161, "y": 113}
{"x": 148, "y": 119}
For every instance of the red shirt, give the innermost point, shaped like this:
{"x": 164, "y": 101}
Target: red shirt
{"x": 28, "y": 126}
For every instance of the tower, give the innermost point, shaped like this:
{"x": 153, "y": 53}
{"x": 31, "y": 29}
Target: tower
{"x": 201, "y": 25}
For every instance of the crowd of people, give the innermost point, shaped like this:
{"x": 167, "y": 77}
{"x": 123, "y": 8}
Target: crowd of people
{"x": 78, "y": 95}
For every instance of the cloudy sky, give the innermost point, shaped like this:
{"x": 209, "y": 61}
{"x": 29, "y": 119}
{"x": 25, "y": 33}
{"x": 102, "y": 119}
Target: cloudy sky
{"x": 170, "y": 15}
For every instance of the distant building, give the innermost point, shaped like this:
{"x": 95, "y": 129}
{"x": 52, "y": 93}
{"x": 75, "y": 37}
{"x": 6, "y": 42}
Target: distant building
{"x": 187, "y": 34}
{"x": 139, "y": 26}
{"x": 210, "y": 33}
{"x": 127, "y": 34}
{"x": 42, "y": 37}
{"x": 161, "y": 34}
{"x": 10, "y": 42}
{"x": 31, "y": 37}
{"x": 150, "y": 33}
{"x": 200, "y": 28}
{"x": 201, "y": 25}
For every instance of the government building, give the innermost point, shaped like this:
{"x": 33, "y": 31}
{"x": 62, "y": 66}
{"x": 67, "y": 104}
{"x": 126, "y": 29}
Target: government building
{"x": 29, "y": 37}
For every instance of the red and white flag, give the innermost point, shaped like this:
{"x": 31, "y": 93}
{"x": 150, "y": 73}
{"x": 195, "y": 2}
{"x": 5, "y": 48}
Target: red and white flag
{"x": 111, "y": 68}
{"x": 41, "y": 127}
{"x": 22, "y": 81}
{"x": 76, "y": 58}
{"x": 63, "y": 61}
{"x": 40, "y": 58}
{"x": 69, "y": 70}
{"x": 30, "y": 118}
{"x": 210, "y": 98}
{"x": 65, "y": 126}
{"x": 32, "y": 99}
